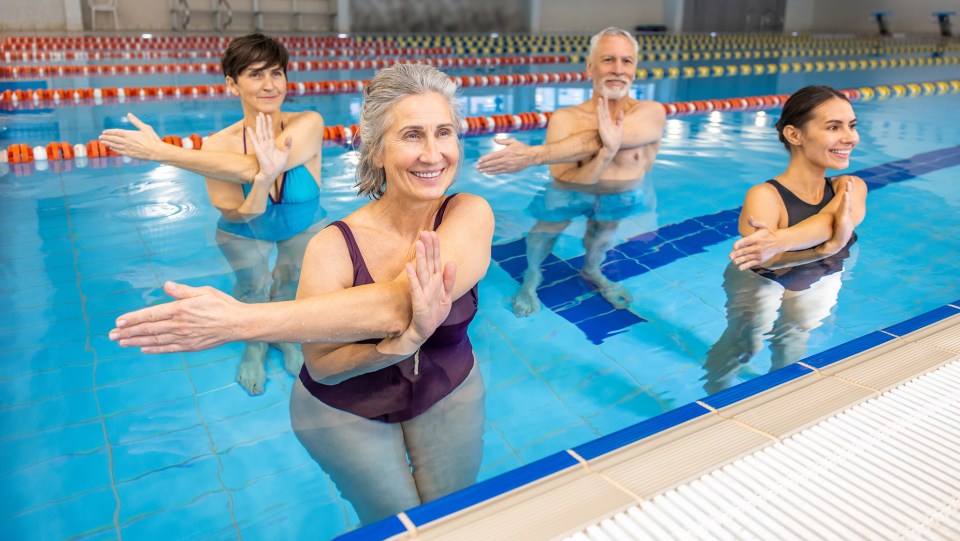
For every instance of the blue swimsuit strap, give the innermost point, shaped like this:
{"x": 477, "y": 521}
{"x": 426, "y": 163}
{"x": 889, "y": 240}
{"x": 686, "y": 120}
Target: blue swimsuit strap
{"x": 283, "y": 178}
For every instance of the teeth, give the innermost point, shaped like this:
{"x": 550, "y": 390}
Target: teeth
{"x": 433, "y": 174}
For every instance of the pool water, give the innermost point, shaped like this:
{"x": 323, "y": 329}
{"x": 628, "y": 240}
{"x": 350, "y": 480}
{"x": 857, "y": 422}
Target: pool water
{"x": 102, "y": 442}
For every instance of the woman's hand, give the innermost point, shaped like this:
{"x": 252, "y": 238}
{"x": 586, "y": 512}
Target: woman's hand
{"x": 842, "y": 226}
{"x": 272, "y": 159}
{"x": 200, "y": 318}
{"x": 757, "y": 247}
{"x": 142, "y": 143}
{"x": 431, "y": 288}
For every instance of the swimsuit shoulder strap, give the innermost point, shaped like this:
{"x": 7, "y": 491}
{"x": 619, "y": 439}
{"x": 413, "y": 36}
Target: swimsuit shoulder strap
{"x": 361, "y": 276}
{"x": 441, "y": 210}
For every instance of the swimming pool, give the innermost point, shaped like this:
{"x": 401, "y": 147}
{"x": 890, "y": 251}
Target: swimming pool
{"x": 101, "y": 441}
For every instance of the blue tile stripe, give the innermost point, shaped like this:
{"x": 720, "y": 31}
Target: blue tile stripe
{"x": 501, "y": 484}
{"x": 566, "y": 294}
{"x": 480, "y": 492}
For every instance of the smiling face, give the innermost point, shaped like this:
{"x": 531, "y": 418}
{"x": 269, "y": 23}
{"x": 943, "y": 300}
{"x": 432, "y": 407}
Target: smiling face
{"x": 260, "y": 87}
{"x": 420, "y": 148}
{"x": 613, "y": 67}
{"x": 828, "y": 137}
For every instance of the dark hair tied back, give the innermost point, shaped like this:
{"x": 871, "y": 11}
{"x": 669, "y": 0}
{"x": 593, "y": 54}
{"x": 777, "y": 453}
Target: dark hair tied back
{"x": 798, "y": 110}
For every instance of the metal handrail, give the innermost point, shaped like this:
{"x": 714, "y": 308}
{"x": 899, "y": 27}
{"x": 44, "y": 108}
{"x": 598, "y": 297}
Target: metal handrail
{"x": 220, "y": 6}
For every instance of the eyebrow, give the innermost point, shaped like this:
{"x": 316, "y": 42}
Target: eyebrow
{"x": 419, "y": 127}
{"x": 838, "y": 121}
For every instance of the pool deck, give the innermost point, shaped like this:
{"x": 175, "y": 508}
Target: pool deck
{"x": 629, "y": 468}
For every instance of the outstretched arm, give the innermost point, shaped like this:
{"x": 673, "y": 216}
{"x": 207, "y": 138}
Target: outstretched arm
{"x": 203, "y": 317}
{"x": 143, "y": 143}
{"x": 517, "y": 156}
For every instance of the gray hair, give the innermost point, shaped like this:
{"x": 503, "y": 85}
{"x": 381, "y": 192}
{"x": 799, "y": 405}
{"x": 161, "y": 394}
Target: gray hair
{"x": 613, "y": 31}
{"x": 388, "y": 87}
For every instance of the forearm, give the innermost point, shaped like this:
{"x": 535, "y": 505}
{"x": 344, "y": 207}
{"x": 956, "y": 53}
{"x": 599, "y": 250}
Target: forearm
{"x": 349, "y": 361}
{"x": 591, "y": 171}
{"x": 352, "y": 314}
{"x": 574, "y": 148}
{"x": 809, "y": 233}
{"x": 225, "y": 166}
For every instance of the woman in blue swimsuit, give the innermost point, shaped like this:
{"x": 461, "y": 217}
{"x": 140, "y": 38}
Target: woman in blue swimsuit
{"x": 263, "y": 174}
{"x": 784, "y": 276}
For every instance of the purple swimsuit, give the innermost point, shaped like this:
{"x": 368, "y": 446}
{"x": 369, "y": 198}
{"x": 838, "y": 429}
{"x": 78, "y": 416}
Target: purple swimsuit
{"x": 395, "y": 394}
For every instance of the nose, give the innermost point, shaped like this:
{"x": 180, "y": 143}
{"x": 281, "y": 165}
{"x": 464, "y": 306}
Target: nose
{"x": 431, "y": 150}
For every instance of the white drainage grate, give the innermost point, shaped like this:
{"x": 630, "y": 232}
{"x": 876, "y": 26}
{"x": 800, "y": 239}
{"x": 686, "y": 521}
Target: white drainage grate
{"x": 888, "y": 468}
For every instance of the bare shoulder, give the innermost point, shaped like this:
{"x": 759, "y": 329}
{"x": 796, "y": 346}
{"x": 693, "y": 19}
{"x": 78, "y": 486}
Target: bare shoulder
{"x": 225, "y": 139}
{"x": 762, "y": 193}
{"x": 648, "y": 110}
{"x": 326, "y": 259}
{"x": 469, "y": 204}
{"x": 304, "y": 117}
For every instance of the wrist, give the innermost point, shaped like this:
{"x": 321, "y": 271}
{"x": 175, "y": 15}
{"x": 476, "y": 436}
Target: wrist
{"x": 400, "y": 346}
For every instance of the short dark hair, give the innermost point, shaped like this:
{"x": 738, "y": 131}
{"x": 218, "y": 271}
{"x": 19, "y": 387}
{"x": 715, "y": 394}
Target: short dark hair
{"x": 252, "y": 49}
{"x": 799, "y": 107}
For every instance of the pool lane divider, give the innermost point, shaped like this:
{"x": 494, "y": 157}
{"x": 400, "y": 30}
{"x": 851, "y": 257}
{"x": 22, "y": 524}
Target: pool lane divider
{"x": 564, "y": 460}
{"x": 45, "y": 98}
{"x": 565, "y": 293}
{"x": 55, "y": 152}
{"x": 451, "y": 58}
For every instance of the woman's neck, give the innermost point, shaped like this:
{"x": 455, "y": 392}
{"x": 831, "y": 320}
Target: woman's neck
{"x": 404, "y": 216}
{"x": 803, "y": 175}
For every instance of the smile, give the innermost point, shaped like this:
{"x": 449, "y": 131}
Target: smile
{"x": 426, "y": 174}
{"x": 841, "y": 153}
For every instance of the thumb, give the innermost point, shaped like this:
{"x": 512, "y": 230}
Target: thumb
{"x": 180, "y": 291}
{"x": 138, "y": 123}
{"x": 619, "y": 120}
{"x": 288, "y": 143}
{"x": 505, "y": 141}
{"x": 449, "y": 278}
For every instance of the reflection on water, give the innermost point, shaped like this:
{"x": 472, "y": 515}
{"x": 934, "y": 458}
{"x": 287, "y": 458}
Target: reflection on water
{"x": 782, "y": 306}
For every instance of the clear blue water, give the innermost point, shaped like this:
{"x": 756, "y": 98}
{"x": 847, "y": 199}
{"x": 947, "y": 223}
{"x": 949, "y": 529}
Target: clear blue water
{"x": 100, "y": 441}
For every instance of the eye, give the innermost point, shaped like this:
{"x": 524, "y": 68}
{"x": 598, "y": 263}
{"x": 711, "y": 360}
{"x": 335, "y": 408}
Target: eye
{"x": 444, "y": 132}
{"x": 411, "y": 136}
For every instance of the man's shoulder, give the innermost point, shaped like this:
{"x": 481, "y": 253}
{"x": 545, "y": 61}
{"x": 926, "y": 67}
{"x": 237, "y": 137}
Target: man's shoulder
{"x": 645, "y": 107}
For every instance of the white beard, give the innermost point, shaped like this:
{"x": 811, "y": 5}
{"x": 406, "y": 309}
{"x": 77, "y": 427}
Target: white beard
{"x": 614, "y": 93}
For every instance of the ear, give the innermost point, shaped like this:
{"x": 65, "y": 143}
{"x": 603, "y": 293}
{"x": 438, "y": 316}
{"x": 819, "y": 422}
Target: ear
{"x": 378, "y": 159}
{"x": 793, "y": 135}
{"x": 232, "y": 86}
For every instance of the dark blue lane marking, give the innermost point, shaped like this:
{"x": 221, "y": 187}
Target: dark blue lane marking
{"x": 564, "y": 292}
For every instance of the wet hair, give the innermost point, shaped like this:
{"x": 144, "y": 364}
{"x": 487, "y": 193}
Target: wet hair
{"x": 252, "y": 49}
{"x": 613, "y": 31}
{"x": 388, "y": 87}
{"x": 798, "y": 110}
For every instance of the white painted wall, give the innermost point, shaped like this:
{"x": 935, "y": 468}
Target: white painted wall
{"x": 798, "y": 16}
{"x": 34, "y": 15}
{"x": 593, "y": 15}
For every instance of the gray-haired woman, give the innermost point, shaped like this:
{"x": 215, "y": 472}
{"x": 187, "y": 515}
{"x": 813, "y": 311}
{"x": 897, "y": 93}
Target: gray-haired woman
{"x": 390, "y": 400}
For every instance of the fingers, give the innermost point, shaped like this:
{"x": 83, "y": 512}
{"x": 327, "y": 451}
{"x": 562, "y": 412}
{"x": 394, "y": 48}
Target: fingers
{"x": 138, "y": 123}
{"x": 180, "y": 291}
{"x": 756, "y": 224}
